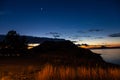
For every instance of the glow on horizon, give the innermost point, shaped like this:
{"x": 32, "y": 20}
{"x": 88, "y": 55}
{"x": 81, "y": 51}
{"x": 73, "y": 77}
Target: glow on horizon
{"x": 72, "y": 19}
{"x": 98, "y": 42}
{"x": 31, "y": 45}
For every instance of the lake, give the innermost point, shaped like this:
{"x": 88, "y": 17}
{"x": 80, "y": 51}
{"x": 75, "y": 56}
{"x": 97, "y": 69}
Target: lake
{"x": 109, "y": 55}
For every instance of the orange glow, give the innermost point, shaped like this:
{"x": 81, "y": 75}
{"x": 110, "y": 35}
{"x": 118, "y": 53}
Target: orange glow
{"x": 65, "y": 73}
{"x": 99, "y": 46}
{"x": 50, "y": 72}
{"x": 32, "y": 45}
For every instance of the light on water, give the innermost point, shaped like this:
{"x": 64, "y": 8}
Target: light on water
{"x": 109, "y": 55}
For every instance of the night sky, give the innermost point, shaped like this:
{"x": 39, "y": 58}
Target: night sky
{"x": 85, "y": 21}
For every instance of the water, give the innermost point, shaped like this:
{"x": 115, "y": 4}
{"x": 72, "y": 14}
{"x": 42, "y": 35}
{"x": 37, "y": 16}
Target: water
{"x": 109, "y": 55}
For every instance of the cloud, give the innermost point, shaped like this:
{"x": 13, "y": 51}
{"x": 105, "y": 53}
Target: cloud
{"x": 84, "y": 44}
{"x": 91, "y": 30}
{"x": 80, "y": 40}
{"x": 85, "y": 36}
{"x": 98, "y": 37}
{"x": 74, "y": 37}
{"x": 54, "y": 34}
{"x": 114, "y": 35}
{"x": 81, "y": 32}
{"x": 74, "y": 41}
{"x": 95, "y": 30}
{"x": 79, "y": 36}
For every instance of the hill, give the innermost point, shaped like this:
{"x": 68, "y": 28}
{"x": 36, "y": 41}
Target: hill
{"x": 32, "y": 39}
{"x": 56, "y": 52}
{"x": 65, "y": 52}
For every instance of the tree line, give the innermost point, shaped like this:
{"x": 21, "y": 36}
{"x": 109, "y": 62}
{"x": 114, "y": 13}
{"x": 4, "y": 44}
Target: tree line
{"x": 13, "y": 44}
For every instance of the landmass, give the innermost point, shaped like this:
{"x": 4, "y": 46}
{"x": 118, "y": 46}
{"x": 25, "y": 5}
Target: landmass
{"x": 51, "y": 60}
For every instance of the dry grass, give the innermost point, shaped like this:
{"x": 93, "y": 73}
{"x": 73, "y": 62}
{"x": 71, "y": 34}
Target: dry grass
{"x": 50, "y": 72}
{"x": 77, "y": 73}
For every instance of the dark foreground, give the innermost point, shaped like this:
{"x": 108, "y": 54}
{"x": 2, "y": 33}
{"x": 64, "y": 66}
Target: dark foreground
{"x": 54, "y": 72}
{"x": 57, "y": 61}
{"x": 55, "y": 68}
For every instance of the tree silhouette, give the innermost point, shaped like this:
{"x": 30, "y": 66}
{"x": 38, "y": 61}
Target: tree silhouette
{"x": 12, "y": 40}
{"x": 15, "y": 43}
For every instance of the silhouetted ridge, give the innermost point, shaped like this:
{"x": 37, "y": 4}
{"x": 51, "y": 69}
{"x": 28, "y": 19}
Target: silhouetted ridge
{"x": 56, "y": 46}
{"x": 32, "y": 39}
{"x": 66, "y": 50}
{"x": 62, "y": 46}
{"x": 41, "y": 39}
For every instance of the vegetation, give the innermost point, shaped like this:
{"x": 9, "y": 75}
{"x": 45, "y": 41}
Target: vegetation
{"x": 51, "y": 72}
{"x": 52, "y": 60}
{"x": 13, "y": 44}
{"x": 14, "y": 41}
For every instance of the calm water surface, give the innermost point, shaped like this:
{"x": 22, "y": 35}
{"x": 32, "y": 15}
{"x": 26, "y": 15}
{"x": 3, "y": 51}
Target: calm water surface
{"x": 109, "y": 55}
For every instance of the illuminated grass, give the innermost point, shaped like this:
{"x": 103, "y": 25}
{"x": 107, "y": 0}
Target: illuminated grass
{"x": 50, "y": 72}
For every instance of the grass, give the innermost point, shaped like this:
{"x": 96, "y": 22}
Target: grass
{"x": 51, "y": 72}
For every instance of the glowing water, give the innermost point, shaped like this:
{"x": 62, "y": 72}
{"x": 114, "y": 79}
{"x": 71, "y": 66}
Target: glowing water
{"x": 109, "y": 55}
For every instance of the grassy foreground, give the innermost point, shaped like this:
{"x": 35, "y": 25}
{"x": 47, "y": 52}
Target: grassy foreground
{"x": 51, "y": 72}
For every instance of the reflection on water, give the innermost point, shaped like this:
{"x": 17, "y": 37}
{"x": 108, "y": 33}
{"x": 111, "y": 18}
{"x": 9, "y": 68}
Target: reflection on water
{"x": 109, "y": 55}
{"x": 50, "y": 72}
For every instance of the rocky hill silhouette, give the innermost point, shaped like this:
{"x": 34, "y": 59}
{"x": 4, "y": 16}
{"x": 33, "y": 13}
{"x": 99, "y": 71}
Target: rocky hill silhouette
{"x": 65, "y": 52}
{"x": 13, "y": 49}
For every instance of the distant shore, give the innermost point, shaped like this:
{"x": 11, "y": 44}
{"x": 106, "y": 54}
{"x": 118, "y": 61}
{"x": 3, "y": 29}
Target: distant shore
{"x": 105, "y": 48}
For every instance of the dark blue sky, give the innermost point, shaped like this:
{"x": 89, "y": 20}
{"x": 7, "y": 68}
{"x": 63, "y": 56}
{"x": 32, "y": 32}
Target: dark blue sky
{"x": 87, "y": 21}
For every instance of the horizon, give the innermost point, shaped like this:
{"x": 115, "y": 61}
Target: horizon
{"x": 82, "y": 45}
{"x": 95, "y": 22}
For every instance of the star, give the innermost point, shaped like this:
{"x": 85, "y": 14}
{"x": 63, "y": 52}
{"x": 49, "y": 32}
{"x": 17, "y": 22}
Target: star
{"x": 41, "y": 9}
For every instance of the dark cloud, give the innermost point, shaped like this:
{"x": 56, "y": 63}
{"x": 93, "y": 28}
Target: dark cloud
{"x": 95, "y": 30}
{"x": 80, "y": 40}
{"x": 114, "y": 35}
{"x": 74, "y": 41}
{"x": 84, "y": 44}
{"x": 77, "y": 36}
{"x": 54, "y": 34}
{"x": 99, "y": 37}
{"x": 81, "y": 32}
{"x": 85, "y": 36}
{"x": 91, "y": 30}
